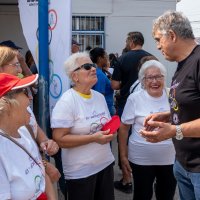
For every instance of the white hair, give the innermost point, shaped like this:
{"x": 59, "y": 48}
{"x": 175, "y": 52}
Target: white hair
{"x": 6, "y": 103}
{"x": 151, "y": 64}
{"x": 71, "y": 63}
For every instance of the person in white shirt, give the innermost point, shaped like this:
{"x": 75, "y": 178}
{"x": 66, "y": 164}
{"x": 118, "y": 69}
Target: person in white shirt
{"x": 22, "y": 175}
{"x": 77, "y": 119}
{"x": 147, "y": 161}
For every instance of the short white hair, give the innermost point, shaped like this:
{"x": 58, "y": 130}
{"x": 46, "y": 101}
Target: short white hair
{"x": 151, "y": 64}
{"x": 71, "y": 63}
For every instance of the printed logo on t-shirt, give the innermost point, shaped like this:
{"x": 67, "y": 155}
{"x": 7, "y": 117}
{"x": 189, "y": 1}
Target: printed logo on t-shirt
{"x": 97, "y": 125}
{"x": 173, "y": 103}
{"x": 32, "y": 164}
{"x": 95, "y": 115}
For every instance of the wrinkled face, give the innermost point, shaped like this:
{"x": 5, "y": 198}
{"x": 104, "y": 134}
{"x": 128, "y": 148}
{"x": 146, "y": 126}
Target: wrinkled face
{"x": 13, "y": 67}
{"x": 165, "y": 44}
{"x": 153, "y": 82}
{"x": 84, "y": 75}
{"x": 20, "y": 111}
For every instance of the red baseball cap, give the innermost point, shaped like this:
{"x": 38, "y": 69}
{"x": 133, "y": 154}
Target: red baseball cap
{"x": 9, "y": 82}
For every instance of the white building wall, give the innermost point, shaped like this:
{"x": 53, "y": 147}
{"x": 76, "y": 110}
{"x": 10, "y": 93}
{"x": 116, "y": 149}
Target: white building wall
{"x": 11, "y": 27}
{"x": 121, "y": 17}
{"x": 191, "y": 10}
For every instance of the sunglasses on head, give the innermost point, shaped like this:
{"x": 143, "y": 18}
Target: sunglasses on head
{"x": 86, "y": 66}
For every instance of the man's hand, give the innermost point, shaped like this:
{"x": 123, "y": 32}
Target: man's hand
{"x": 161, "y": 117}
{"x": 162, "y": 131}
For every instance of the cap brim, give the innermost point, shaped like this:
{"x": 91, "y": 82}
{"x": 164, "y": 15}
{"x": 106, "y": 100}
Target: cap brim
{"x": 25, "y": 82}
{"x": 18, "y": 47}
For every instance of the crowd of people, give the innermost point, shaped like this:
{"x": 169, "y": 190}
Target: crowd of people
{"x": 159, "y": 135}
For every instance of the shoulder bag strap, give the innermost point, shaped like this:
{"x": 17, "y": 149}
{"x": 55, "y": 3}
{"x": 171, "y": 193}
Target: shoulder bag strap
{"x": 18, "y": 144}
{"x": 134, "y": 87}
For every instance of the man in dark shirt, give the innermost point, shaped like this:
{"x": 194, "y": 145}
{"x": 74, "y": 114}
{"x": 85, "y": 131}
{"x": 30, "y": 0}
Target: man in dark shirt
{"x": 174, "y": 36}
{"x": 124, "y": 75}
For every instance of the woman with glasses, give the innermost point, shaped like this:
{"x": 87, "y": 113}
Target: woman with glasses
{"x": 150, "y": 163}
{"x": 77, "y": 120}
{"x": 9, "y": 63}
{"x": 22, "y": 173}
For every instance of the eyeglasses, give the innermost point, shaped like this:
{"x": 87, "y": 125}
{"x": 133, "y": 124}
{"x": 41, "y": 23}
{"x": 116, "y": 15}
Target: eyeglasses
{"x": 17, "y": 64}
{"x": 86, "y": 66}
{"x": 151, "y": 78}
{"x": 26, "y": 91}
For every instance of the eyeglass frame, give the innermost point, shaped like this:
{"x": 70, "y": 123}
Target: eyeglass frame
{"x": 84, "y": 66}
{"x": 25, "y": 91}
{"x": 17, "y": 64}
{"x": 151, "y": 78}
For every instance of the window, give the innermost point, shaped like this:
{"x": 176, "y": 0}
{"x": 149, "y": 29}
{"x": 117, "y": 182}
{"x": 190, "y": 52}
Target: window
{"x": 88, "y": 31}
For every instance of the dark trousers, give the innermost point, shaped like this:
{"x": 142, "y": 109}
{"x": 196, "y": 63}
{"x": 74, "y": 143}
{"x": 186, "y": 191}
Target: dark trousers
{"x": 96, "y": 187}
{"x": 58, "y": 163}
{"x": 159, "y": 176}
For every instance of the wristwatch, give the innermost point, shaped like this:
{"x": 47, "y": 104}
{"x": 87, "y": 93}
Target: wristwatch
{"x": 179, "y": 134}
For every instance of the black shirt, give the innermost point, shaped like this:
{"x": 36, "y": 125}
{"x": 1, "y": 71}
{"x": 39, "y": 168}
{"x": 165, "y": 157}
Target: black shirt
{"x": 184, "y": 101}
{"x": 127, "y": 72}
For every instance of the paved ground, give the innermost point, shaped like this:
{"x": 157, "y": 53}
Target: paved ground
{"x": 117, "y": 173}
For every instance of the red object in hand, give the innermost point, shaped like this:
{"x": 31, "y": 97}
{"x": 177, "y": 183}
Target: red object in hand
{"x": 43, "y": 196}
{"x": 113, "y": 124}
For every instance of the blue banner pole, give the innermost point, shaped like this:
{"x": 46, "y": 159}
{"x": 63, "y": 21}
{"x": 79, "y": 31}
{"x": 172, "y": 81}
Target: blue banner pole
{"x": 44, "y": 114}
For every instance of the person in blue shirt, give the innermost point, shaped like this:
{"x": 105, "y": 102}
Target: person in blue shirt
{"x": 100, "y": 58}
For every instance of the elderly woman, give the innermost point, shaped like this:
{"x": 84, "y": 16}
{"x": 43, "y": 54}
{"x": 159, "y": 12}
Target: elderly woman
{"x": 9, "y": 63}
{"x": 147, "y": 161}
{"x": 22, "y": 173}
{"x": 76, "y": 121}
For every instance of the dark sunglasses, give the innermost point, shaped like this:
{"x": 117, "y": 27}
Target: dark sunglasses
{"x": 86, "y": 66}
{"x": 26, "y": 91}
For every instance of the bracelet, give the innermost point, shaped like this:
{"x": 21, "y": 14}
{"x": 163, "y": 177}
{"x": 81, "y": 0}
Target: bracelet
{"x": 44, "y": 163}
{"x": 44, "y": 160}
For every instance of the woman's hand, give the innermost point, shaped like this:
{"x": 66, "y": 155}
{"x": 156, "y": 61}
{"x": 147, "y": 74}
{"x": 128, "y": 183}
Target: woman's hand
{"x": 52, "y": 172}
{"x": 49, "y": 146}
{"x": 103, "y": 137}
{"x": 126, "y": 168}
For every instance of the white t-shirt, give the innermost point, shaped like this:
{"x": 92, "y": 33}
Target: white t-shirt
{"x": 137, "y": 86}
{"x": 83, "y": 116}
{"x": 20, "y": 177}
{"x": 138, "y": 106}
